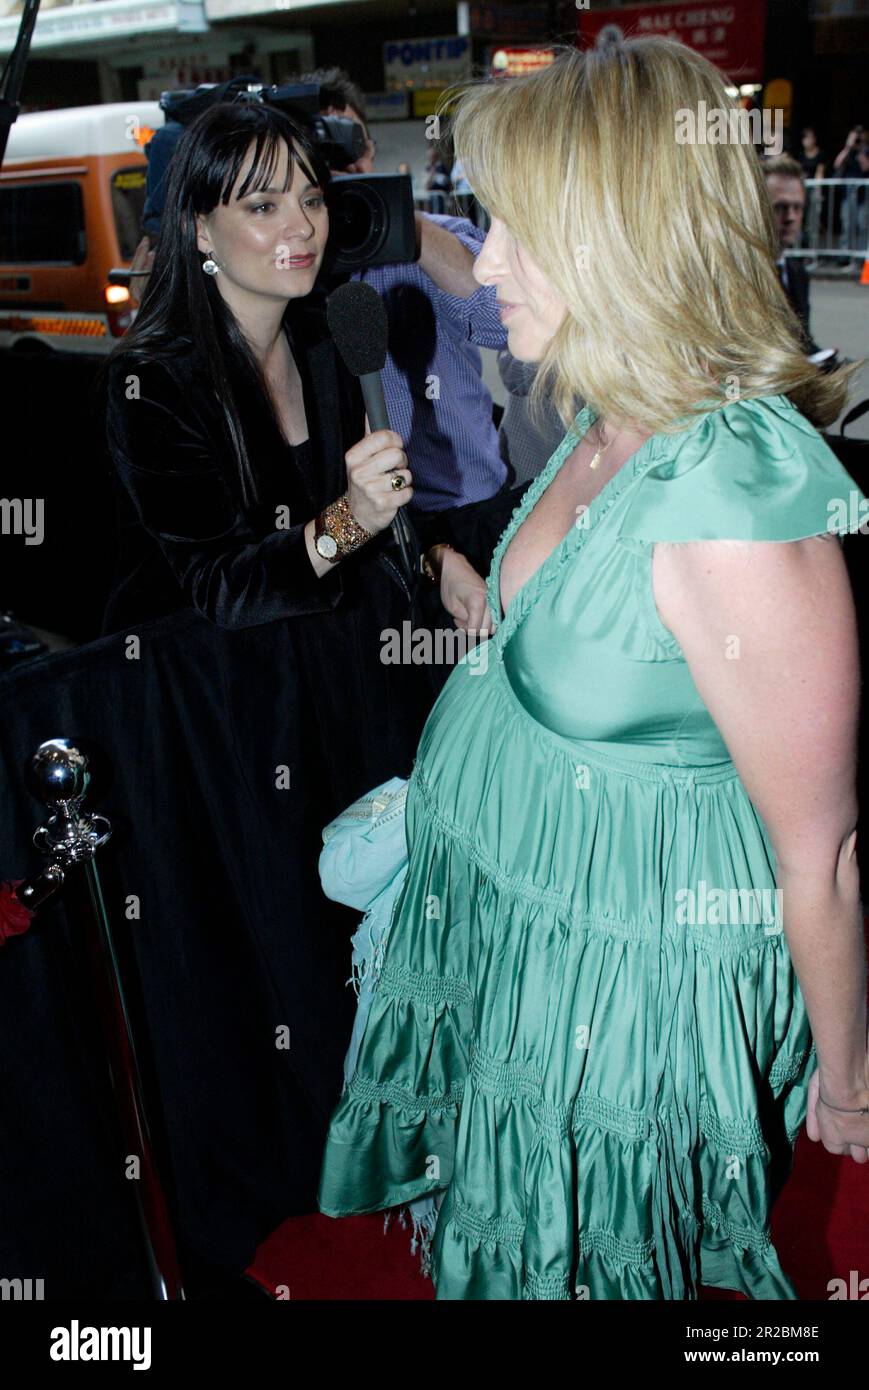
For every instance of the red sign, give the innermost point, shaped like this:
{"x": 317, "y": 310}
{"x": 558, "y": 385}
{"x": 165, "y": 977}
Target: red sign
{"x": 730, "y": 35}
{"x": 509, "y": 21}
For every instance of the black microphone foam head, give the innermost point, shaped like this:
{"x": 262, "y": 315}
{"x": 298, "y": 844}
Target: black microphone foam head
{"x": 357, "y": 321}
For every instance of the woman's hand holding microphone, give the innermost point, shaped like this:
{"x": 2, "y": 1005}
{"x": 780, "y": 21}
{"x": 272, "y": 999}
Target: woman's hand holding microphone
{"x": 370, "y": 503}
{"x": 372, "y": 465}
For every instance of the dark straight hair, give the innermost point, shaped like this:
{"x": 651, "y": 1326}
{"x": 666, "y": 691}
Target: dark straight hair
{"x": 180, "y": 301}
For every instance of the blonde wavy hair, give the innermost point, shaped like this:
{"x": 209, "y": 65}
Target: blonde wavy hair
{"x": 664, "y": 253}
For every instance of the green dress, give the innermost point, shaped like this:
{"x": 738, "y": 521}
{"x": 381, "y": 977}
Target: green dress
{"x": 587, "y": 1033}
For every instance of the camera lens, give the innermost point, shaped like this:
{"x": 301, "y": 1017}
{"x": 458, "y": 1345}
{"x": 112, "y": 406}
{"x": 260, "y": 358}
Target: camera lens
{"x": 356, "y": 221}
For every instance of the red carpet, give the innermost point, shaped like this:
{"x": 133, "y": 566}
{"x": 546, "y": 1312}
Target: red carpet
{"x": 820, "y": 1228}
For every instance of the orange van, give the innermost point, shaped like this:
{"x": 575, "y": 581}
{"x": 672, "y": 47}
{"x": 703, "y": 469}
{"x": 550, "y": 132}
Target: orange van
{"x": 72, "y": 191}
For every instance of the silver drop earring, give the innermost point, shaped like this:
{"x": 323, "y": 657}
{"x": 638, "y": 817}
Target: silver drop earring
{"x": 210, "y": 266}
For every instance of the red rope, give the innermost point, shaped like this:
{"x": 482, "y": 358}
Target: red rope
{"x": 15, "y": 918}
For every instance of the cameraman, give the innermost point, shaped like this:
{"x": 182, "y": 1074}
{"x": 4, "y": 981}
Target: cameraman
{"x": 438, "y": 318}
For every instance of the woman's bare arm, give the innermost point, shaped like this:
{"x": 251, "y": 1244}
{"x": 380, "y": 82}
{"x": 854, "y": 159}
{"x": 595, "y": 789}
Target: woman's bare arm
{"x": 785, "y": 697}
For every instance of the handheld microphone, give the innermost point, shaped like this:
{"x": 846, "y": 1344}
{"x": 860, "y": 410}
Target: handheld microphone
{"x": 358, "y": 324}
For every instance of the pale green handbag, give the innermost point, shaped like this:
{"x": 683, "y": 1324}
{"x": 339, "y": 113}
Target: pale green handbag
{"x": 363, "y": 864}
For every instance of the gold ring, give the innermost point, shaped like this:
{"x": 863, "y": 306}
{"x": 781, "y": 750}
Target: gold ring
{"x": 398, "y": 482}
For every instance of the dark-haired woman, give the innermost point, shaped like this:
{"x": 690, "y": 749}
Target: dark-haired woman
{"x": 230, "y": 423}
{"x": 252, "y": 497}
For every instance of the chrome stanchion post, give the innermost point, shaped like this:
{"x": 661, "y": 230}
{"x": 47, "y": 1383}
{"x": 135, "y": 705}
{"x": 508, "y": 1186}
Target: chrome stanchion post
{"x": 58, "y": 775}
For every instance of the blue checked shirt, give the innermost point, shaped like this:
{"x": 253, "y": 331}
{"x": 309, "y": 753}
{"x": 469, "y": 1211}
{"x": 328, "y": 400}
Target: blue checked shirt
{"x": 435, "y": 394}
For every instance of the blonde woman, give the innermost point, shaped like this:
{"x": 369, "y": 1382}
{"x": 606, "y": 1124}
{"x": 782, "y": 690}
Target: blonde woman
{"x": 627, "y": 961}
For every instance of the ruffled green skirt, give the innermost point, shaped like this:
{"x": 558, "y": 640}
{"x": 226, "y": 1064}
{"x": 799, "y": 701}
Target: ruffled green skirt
{"x": 604, "y": 1078}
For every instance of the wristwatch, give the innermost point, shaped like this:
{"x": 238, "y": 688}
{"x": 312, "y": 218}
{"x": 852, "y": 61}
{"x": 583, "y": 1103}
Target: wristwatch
{"x": 425, "y": 563}
{"x": 337, "y": 532}
{"x": 324, "y": 543}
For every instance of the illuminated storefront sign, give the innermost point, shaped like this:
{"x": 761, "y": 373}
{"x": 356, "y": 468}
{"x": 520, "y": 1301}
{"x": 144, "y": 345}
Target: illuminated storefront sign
{"x": 514, "y": 62}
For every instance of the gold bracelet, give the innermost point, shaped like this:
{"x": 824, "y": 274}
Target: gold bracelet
{"x": 339, "y": 522}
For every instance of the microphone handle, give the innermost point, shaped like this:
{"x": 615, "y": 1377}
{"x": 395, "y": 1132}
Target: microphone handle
{"x": 378, "y": 419}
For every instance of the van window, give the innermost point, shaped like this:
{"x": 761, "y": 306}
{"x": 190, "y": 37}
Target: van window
{"x": 128, "y": 202}
{"x": 42, "y": 223}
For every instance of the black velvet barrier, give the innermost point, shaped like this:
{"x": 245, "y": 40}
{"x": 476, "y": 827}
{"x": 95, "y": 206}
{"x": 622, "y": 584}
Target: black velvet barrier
{"x": 234, "y": 941}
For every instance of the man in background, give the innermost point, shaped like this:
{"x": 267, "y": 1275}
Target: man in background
{"x": 439, "y": 318}
{"x": 784, "y": 181}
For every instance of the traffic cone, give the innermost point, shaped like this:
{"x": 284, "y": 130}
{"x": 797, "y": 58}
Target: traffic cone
{"x": 864, "y": 278}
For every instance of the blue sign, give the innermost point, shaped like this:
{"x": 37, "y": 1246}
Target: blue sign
{"x": 415, "y": 51}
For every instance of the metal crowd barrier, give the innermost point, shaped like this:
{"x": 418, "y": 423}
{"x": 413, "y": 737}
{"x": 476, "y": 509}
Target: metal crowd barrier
{"x": 453, "y": 205}
{"x": 835, "y": 236}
